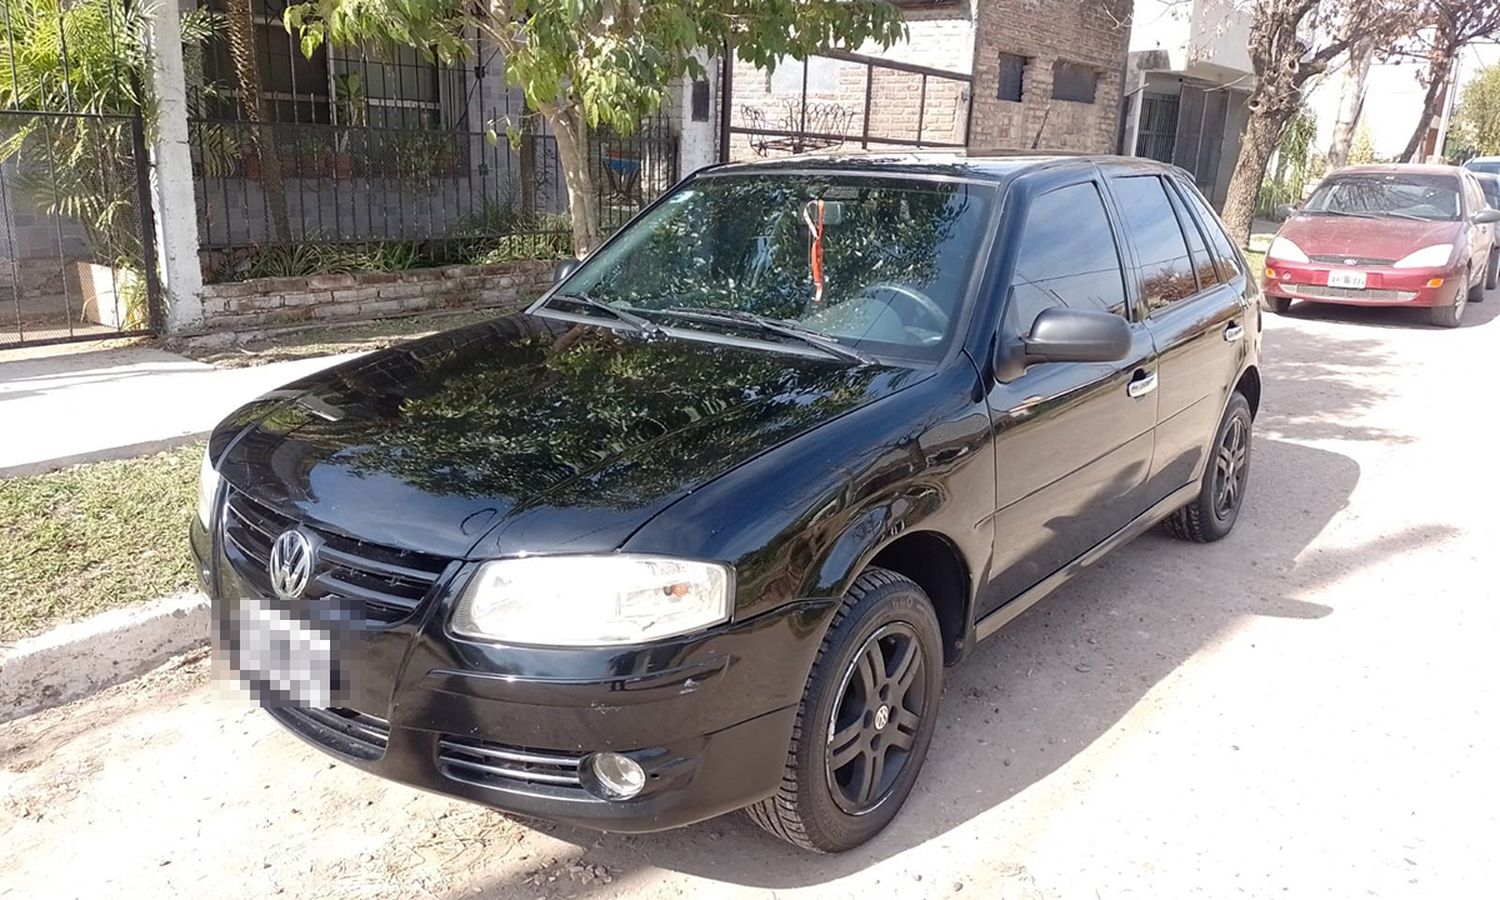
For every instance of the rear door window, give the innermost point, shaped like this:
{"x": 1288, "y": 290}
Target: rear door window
{"x": 1166, "y": 268}
{"x": 1229, "y": 260}
{"x": 1067, "y": 257}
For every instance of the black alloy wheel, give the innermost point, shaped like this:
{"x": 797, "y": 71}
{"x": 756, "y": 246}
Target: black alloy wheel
{"x": 1211, "y": 514}
{"x": 876, "y": 720}
{"x": 1231, "y": 466}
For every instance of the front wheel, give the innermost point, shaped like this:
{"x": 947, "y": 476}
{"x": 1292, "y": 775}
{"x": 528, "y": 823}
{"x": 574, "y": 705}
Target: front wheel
{"x": 1476, "y": 290}
{"x": 1280, "y": 305}
{"x": 1492, "y": 271}
{"x": 1212, "y": 514}
{"x": 866, "y": 718}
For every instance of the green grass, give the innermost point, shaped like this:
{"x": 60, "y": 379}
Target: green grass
{"x": 95, "y": 537}
{"x": 332, "y": 339}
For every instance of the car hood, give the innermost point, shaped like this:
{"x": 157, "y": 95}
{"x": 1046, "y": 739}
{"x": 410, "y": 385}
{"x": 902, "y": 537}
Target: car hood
{"x": 527, "y": 434}
{"x": 1386, "y": 238}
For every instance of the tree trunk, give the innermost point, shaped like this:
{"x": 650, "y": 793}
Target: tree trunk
{"x": 1438, "y": 68}
{"x": 572, "y": 152}
{"x": 1256, "y": 148}
{"x": 241, "y": 30}
{"x": 1351, "y": 102}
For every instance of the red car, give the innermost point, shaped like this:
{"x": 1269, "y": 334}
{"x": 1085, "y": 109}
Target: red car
{"x": 1388, "y": 236}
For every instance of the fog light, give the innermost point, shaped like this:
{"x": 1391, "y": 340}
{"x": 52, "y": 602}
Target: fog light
{"x": 619, "y": 777}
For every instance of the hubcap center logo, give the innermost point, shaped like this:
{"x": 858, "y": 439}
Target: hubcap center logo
{"x": 290, "y": 565}
{"x": 882, "y": 716}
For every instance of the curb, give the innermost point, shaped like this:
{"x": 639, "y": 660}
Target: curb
{"x": 77, "y": 659}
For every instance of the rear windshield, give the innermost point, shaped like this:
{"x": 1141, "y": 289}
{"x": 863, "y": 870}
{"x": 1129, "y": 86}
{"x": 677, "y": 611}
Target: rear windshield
{"x": 1388, "y": 195}
{"x": 1491, "y": 187}
{"x": 1491, "y": 166}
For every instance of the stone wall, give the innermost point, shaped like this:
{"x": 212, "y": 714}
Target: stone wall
{"x": 262, "y": 304}
{"x": 1094, "y": 33}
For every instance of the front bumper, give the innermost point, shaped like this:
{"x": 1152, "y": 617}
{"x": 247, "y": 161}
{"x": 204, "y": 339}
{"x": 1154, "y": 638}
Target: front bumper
{"x": 709, "y": 716}
{"x": 1384, "y": 285}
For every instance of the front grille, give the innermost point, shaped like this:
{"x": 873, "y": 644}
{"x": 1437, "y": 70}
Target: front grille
{"x": 345, "y": 730}
{"x": 1324, "y": 292}
{"x": 1339, "y": 260}
{"x": 499, "y": 765}
{"x": 390, "y": 583}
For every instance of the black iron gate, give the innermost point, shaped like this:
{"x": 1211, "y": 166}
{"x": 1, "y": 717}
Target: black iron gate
{"x": 841, "y": 100}
{"x": 77, "y": 239}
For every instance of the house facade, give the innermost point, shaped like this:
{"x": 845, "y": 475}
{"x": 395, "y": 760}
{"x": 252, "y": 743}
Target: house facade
{"x": 1187, "y": 78}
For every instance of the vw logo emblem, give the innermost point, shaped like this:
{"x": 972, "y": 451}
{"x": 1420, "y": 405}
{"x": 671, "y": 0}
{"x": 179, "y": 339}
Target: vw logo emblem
{"x": 290, "y": 566}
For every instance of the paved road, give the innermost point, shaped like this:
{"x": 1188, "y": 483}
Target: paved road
{"x": 1308, "y": 709}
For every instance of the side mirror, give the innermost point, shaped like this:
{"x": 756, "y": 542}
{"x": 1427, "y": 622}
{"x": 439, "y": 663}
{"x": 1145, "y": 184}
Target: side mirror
{"x": 1285, "y": 211}
{"x": 1059, "y": 335}
{"x": 1487, "y": 217}
{"x": 563, "y": 269}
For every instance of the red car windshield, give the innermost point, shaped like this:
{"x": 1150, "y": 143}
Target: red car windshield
{"x": 1387, "y": 195}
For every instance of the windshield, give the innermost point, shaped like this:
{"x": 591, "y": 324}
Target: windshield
{"x": 879, "y": 265}
{"x": 1388, "y": 194}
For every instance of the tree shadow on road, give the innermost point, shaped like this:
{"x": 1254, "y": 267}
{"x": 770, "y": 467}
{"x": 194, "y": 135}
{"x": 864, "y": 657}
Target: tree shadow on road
{"x": 1061, "y": 676}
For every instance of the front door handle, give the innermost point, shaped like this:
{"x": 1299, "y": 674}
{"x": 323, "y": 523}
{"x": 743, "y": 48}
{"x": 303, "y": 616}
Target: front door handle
{"x": 1233, "y": 332}
{"x": 1142, "y": 384}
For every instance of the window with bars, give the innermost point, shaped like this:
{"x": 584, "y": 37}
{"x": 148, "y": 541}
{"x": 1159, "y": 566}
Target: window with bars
{"x": 380, "y": 87}
{"x": 1157, "y": 138}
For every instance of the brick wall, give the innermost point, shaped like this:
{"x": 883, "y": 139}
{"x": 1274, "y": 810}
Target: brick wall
{"x": 1090, "y": 32}
{"x": 266, "y": 303}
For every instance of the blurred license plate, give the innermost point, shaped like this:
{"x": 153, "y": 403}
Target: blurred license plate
{"x": 288, "y": 660}
{"x": 1354, "y": 280}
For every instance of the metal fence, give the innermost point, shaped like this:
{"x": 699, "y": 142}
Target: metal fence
{"x": 839, "y": 99}
{"x": 76, "y": 242}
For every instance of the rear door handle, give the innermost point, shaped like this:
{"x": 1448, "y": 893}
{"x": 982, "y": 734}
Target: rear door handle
{"x": 1142, "y": 384}
{"x": 1233, "y": 332}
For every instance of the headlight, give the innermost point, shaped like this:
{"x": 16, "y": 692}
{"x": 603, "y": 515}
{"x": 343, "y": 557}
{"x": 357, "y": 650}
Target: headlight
{"x": 591, "y": 600}
{"x": 1283, "y": 248}
{"x": 1426, "y": 258}
{"x": 208, "y": 489}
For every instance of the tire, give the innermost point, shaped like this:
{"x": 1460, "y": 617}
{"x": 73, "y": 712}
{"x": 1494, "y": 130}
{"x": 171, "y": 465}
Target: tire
{"x": 1208, "y": 517}
{"x": 1492, "y": 271}
{"x": 819, "y": 807}
{"x": 1449, "y": 316}
{"x": 1280, "y": 305}
{"x": 1476, "y": 290}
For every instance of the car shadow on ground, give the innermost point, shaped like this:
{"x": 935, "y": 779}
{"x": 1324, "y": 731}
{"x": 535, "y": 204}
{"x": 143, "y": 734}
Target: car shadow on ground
{"x": 1058, "y": 678}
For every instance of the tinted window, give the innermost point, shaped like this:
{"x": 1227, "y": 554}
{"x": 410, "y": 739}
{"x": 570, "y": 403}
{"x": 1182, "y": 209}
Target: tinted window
{"x": 1203, "y": 263}
{"x": 1487, "y": 165}
{"x": 1166, "y": 269}
{"x": 1067, "y": 257}
{"x": 1490, "y": 185}
{"x": 1223, "y": 247}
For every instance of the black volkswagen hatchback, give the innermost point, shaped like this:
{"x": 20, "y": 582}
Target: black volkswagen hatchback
{"x": 702, "y": 528}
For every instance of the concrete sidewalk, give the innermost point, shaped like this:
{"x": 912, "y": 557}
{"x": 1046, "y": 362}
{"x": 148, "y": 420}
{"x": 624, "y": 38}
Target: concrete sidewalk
{"x": 60, "y": 406}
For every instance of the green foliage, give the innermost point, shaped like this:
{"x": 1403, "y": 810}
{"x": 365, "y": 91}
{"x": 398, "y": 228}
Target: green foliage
{"x": 1477, "y": 122}
{"x": 611, "y": 60}
{"x": 1362, "y": 151}
{"x": 1296, "y": 164}
{"x": 86, "y": 56}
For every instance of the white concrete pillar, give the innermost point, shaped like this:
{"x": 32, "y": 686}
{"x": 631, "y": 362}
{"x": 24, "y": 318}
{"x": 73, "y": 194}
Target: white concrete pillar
{"x": 172, "y": 177}
{"x": 695, "y": 147}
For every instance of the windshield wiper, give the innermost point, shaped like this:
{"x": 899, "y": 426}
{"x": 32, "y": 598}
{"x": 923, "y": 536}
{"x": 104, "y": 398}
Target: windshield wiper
{"x": 1346, "y": 213}
{"x": 639, "y": 323}
{"x": 771, "y": 326}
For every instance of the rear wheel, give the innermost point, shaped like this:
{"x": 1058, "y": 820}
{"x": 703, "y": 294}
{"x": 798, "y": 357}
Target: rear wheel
{"x": 866, "y": 718}
{"x": 1212, "y": 514}
{"x": 1280, "y": 305}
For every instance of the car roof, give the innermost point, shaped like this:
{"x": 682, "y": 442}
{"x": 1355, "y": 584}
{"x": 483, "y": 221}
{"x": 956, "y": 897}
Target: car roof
{"x": 1397, "y": 168}
{"x": 981, "y": 165}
